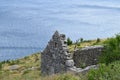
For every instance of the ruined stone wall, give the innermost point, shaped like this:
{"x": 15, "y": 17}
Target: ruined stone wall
{"x": 56, "y": 58}
{"x": 87, "y": 56}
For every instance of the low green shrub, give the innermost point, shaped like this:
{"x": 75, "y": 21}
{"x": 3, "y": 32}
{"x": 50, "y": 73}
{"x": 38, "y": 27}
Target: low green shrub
{"x": 25, "y": 72}
{"x": 69, "y": 41}
{"x": 98, "y": 40}
{"x": 105, "y": 72}
{"x": 0, "y": 66}
{"x": 82, "y": 65}
{"x": 112, "y": 50}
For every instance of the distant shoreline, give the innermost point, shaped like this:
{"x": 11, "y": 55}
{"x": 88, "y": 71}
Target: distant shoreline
{"x": 5, "y": 47}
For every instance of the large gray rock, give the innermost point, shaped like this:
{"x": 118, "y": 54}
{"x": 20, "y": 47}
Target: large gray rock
{"x": 69, "y": 63}
{"x": 83, "y": 71}
{"x": 14, "y": 67}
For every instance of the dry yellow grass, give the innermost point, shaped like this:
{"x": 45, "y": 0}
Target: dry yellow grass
{"x": 86, "y": 43}
{"x": 23, "y": 73}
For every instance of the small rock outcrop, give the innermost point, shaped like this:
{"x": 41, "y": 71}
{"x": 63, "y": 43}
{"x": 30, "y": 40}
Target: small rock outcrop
{"x": 14, "y": 67}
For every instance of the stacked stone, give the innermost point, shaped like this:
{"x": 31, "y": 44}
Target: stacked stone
{"x": 87, "y": 56}
{"x": 56, "y": 57}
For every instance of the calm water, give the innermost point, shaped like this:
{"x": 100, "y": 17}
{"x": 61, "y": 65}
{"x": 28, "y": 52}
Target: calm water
{"x": 27, "y": 25}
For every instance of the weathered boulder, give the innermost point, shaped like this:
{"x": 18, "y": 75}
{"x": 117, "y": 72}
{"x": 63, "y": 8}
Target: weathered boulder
{"x": 69, "y": 63}
{"x": 14, "y": 67}
{"x": 83, "y": 71}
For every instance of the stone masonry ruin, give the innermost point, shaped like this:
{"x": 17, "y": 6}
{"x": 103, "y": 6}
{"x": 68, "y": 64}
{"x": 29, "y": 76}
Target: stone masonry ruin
{"x": 87, "y": 56}
{"x": 56, "y": 57}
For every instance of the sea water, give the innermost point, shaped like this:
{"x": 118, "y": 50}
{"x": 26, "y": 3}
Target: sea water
{"x": 27, "y": 25}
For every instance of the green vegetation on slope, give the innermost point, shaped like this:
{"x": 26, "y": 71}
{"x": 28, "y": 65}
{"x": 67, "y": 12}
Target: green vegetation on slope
{"x": 106, "y": 72}
{"x": 29, "y": 67}
{"x": 112, "y": 50}
{"x": 109, "y": 61}
{"x": 69, "y": 41}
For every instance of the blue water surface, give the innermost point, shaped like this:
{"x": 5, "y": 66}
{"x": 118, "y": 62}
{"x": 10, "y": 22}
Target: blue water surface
{"x": 27, "y": 25}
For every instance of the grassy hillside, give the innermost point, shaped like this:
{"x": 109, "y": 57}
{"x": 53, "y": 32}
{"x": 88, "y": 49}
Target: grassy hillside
{"x": 29, "y": 67}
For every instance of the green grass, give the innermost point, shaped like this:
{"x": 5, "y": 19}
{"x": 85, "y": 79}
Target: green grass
{"x": 112, "y": 50}
{"x": 105, "y": 72}
{"x": 23, "y": 73}
{"x": 65, "y": 76}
